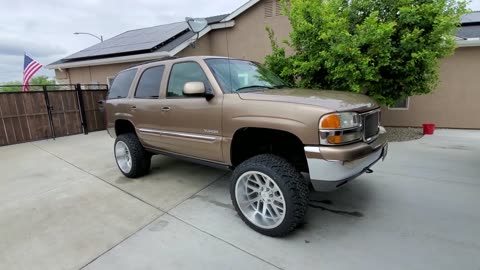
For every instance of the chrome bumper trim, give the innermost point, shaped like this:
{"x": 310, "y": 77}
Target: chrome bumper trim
{"x": 327, "y": 175}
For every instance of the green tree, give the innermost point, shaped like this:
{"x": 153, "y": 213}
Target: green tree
{"x": 387, "y": 49}
{"x": 15, "y": 86}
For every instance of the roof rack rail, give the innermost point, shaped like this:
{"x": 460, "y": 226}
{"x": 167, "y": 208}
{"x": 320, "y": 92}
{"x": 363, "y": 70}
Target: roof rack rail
{"x": 153, "y": 61}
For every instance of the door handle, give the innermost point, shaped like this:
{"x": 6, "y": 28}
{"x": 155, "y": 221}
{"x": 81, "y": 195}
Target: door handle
{"x": 165, "y": 109}
{"x": 134, "y": 107}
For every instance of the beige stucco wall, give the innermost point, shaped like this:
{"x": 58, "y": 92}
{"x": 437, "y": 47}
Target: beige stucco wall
{"x": 90, "y": 75}
{"x": 202, "y": 47}
{"x": 455, "y": 102}
{"x": 248, "y": 39}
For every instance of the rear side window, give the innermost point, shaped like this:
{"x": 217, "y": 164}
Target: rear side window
{"x": 149, "y": 84}
{"x": 121, "y": 84}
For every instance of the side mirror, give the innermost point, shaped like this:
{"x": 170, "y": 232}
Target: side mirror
{"x": 194, "y": 88}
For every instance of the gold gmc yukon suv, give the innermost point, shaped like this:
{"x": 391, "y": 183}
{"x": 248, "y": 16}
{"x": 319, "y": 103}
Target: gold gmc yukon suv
{"x": 237, "y": 115}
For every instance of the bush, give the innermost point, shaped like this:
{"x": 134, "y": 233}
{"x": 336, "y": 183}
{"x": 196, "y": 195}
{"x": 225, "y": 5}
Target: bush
{"x": 387, "y": 49}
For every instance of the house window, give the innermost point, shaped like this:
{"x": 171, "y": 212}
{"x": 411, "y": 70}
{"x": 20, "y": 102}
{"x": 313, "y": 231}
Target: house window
{"x": 400, "y": 104}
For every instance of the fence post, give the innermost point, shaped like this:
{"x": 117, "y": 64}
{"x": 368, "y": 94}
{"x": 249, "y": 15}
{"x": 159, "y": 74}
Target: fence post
{"x": 49, "y": 110}
{"x": 81, "y": 105}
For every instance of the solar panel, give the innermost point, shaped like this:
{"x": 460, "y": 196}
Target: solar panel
{"x": 471, "y": 17}
{"x": 162, "y": 37}
{"x": 133, "y": 40}
{"x": 472, "y": 31}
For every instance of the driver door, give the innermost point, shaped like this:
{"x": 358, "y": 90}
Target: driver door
{"x": 191, "y": 125}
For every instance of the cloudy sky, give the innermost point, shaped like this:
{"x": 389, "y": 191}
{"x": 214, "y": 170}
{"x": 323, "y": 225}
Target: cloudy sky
{"x": 44, "y": 29}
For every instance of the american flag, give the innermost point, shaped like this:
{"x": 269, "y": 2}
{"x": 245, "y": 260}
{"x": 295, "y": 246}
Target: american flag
{"x": 30, "y": 67}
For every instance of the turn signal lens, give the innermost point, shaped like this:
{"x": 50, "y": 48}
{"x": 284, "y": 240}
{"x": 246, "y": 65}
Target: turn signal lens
{"x": 330, "y": 122}
{"x": 334, "y": 139}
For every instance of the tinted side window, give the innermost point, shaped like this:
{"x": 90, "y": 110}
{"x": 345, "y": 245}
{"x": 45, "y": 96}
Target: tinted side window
{"x": 182, "y": 73}
{"x": 149, "y": 84}
{"x": 121, "y": 84}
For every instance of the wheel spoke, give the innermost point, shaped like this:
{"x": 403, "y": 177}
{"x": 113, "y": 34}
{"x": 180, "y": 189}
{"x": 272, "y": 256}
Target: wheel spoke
{"x": 258, "y": 179}
{"x": 279, "y": 207}
{"x": 275, "y": 210}
{"x": 250, "y": 186}
{"x": 264, "y": 208}
{"x": 278, "y": 199}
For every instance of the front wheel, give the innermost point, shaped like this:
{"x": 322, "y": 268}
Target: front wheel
{"x": 269, "y": 194}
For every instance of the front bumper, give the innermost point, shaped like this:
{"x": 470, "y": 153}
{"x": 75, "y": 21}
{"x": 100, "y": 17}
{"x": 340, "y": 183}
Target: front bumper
{"x": 333, "y": 166}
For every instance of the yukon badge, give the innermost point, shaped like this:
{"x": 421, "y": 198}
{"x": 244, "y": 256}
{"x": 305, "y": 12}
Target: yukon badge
{"x": 211, "y": 131}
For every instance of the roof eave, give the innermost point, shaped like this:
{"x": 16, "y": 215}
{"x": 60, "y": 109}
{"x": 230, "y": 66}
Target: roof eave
{"x": 470, "y": 42}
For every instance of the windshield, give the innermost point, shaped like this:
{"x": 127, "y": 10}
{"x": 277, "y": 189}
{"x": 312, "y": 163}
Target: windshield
{"x": 240, "y": 75}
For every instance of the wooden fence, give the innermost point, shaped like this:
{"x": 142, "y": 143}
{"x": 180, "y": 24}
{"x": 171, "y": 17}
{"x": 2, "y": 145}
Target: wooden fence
{"x": 53, "y": 111}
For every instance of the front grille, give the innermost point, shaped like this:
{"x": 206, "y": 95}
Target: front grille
{"x": 371, "y": 123}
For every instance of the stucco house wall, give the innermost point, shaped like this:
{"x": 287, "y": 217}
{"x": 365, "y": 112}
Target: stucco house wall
{"x": 454, "y": 103}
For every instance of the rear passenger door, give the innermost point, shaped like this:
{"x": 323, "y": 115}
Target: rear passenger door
{"x": 191, "y": 125}
{"x": 147, "y": 106}
{"x": 117, "y": 102}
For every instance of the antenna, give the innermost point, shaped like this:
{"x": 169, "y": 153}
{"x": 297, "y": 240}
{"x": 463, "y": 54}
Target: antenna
{"x": 228, "y": 60}
{"x": 196, "y": 25}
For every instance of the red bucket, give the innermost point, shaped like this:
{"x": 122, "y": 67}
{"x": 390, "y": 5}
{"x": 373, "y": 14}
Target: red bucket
{"x": 428, "y": 129}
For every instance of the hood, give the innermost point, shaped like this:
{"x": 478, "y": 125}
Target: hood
{"x": 333, "y": 100}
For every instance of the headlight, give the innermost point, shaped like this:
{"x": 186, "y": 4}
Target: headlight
{"x": 340, "y": 128}
{"x": 340, "y": 121}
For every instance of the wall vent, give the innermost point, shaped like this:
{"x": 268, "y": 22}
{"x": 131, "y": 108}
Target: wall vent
{"x": 278, "y": 8}
{"x": 268, "y": 8}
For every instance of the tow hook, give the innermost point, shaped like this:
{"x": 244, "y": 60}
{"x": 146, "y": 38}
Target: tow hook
{"x": 369, "y": 171}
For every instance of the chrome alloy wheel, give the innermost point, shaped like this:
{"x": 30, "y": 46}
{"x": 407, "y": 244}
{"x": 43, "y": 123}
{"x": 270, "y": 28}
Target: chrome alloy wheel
{"x": 260, "y": 199}
{"x": 123, "y": 157}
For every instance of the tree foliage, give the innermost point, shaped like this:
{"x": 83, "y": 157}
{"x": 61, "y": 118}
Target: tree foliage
{"x": 15, "y": 86}
{"x": 387, "y": 49}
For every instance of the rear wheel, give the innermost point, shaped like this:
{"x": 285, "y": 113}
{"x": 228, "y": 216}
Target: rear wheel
{"x": 132, "y": 159}
{"x": 269, "y": 194}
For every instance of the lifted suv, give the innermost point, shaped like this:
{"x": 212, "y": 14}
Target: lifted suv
{"x": 238, "y": 115}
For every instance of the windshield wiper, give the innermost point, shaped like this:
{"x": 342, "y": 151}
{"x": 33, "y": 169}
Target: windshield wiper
{"x": 253, "y": 86}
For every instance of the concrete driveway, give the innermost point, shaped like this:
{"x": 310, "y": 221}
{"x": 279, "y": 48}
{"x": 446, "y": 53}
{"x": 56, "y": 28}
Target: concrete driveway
{"x": 65, "y": 205}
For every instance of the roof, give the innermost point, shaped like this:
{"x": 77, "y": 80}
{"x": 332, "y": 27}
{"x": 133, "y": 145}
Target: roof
{"x": 471, "y": 18}
{"x": 134, "y": 40}
{"x": 470, "y": 29}
{"x": 159, "y": 39}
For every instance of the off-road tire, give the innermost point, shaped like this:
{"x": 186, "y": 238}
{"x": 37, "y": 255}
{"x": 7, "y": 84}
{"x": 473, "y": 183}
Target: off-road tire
{"x": 141, "y": 159}
{"x": 294, "y": 188}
